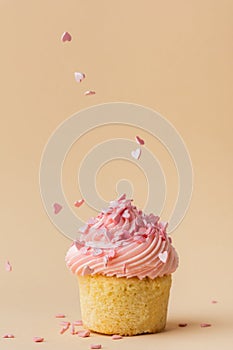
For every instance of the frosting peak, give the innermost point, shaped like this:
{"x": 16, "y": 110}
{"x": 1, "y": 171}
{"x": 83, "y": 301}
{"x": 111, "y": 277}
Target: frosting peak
{"x": 125, "y": 242}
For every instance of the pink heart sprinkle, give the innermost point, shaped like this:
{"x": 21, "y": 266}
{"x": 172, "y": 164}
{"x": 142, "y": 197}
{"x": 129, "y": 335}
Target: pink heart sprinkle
{"x": 106, "y": 260}
{"x": 65, "y": 323}
{"x": 79, "y": 76}
{"x": 182, "y": 324}
{"x": 126, "y": 214}
{"x": 122, "y": 197}
{"x": 38, "y": 339}
{"x": 84, "y": 334}
{"x": 87, "y": 271}
{"x": 136, "y": 153}
{"x": 79, "y": 244}
{"x": 139, "y": 140}
{"x": 66, "y": 37}
{"x": 97, "y": 251}
{"x": 57, "y": 208}
{"x": 116, "y": 336}
{"x": 89, "y": 93}
{"x": 96, "y": 346}
{"x": 79, "y": 203}
{"x": 163, "y": 256}
{"x": 78, "y": 323}
{"x": 10, "y": 336}
{"x": 8, "y": 266}
{"x": 112, "y": 253}
{"x": 60, "y": 316}
{"x": 65, "y": 328}
{"x": 203, "y": 325}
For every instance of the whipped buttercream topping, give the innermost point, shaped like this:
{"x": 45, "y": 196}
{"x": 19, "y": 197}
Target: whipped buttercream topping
{"x": 123, "y": 241}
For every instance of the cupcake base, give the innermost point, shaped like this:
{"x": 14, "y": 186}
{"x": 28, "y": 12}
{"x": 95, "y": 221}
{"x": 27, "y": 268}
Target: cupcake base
{"x": 125, "y": 306}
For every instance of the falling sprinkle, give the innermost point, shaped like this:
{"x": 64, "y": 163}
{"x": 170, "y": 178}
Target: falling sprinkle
{"x": 60, "y": 316}
{"x": 214, "y": 301}
{"x": 96, "y": 346}
{"x": 79, "y": 203}
{"x": 203, "y": 325}
{"x": 139, "y": 140}
{"x": 38, "y": 339}
{"x": 84, "y": 334}
{"x": 8, "y": 266}
{"x": 89, "y": 93}
{"x": 163, "y": 256}
{"x": 10, "y": 336}
{"x": 136, "y": 153}
{"x": 66, "y": 37}
{"x": 57, "y": 208}
{"x": 182, "y": 324}
{"x": 79, "y": 76}
{"x": 116, "y": 336}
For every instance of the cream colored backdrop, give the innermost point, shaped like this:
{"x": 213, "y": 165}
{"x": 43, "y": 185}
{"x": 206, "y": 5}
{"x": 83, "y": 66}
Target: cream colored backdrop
{"x": 172, "y": 56}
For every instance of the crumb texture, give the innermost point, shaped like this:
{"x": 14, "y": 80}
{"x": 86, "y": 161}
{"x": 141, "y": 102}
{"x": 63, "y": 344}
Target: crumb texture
{"x": 111, "y": 305}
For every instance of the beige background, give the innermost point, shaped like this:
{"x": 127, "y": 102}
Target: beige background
{"x": 173, "y": 56}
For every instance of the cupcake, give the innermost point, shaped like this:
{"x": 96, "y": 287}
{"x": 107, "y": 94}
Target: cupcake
{"x": 123, "y": 261}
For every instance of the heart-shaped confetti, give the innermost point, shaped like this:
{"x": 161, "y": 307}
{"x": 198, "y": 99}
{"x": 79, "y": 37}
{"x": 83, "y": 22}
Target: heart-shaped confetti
{"x": 57, "y": 208}
{"x": 78, "y": 203}
{"x": 8, "y": 266}
{"x": 79, "y": 244}
{"x": 126, "y": 214}
{"x": 87, "y": 270}
{"x": 38, "y": 339}
{"x": 136, "y": 153}
{"x": 96, "y": 346}
{"x": 97, "y": 251}
{"x": 60, "y": 316}
{"x": 10, "y": 336}
{"x": 89, "y": 93}
{"x": 163, "y": 256}
{"x": 116, "y": 336}
{"x": 203, "y": 325}
{"x": 66, "y": 37}
{"x": 84, "y": 334}
{"x": 79, "y": 76}
{"x": 139, "y": 140}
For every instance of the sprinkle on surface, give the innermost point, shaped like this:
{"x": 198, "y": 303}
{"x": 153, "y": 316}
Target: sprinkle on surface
{"x": 182, "y": 324}
{"x": 38, "y": 339}
{"x": 214, "y": 301}
{"x": 9, "y": 336}
{"x": 89, "y": 93}
{"x": 79, "y": 76}
{"x": 204, "y": 325}
{"x": 60, "y": 315}
{"x": 84, "y": 334}
{"x": 78, "y": 323}
{"x": 96, "y": 346}
{"x": 116, "y": 337}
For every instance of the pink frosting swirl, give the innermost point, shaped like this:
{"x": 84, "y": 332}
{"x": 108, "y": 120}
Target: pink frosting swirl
{"x": 122, "y": 241}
